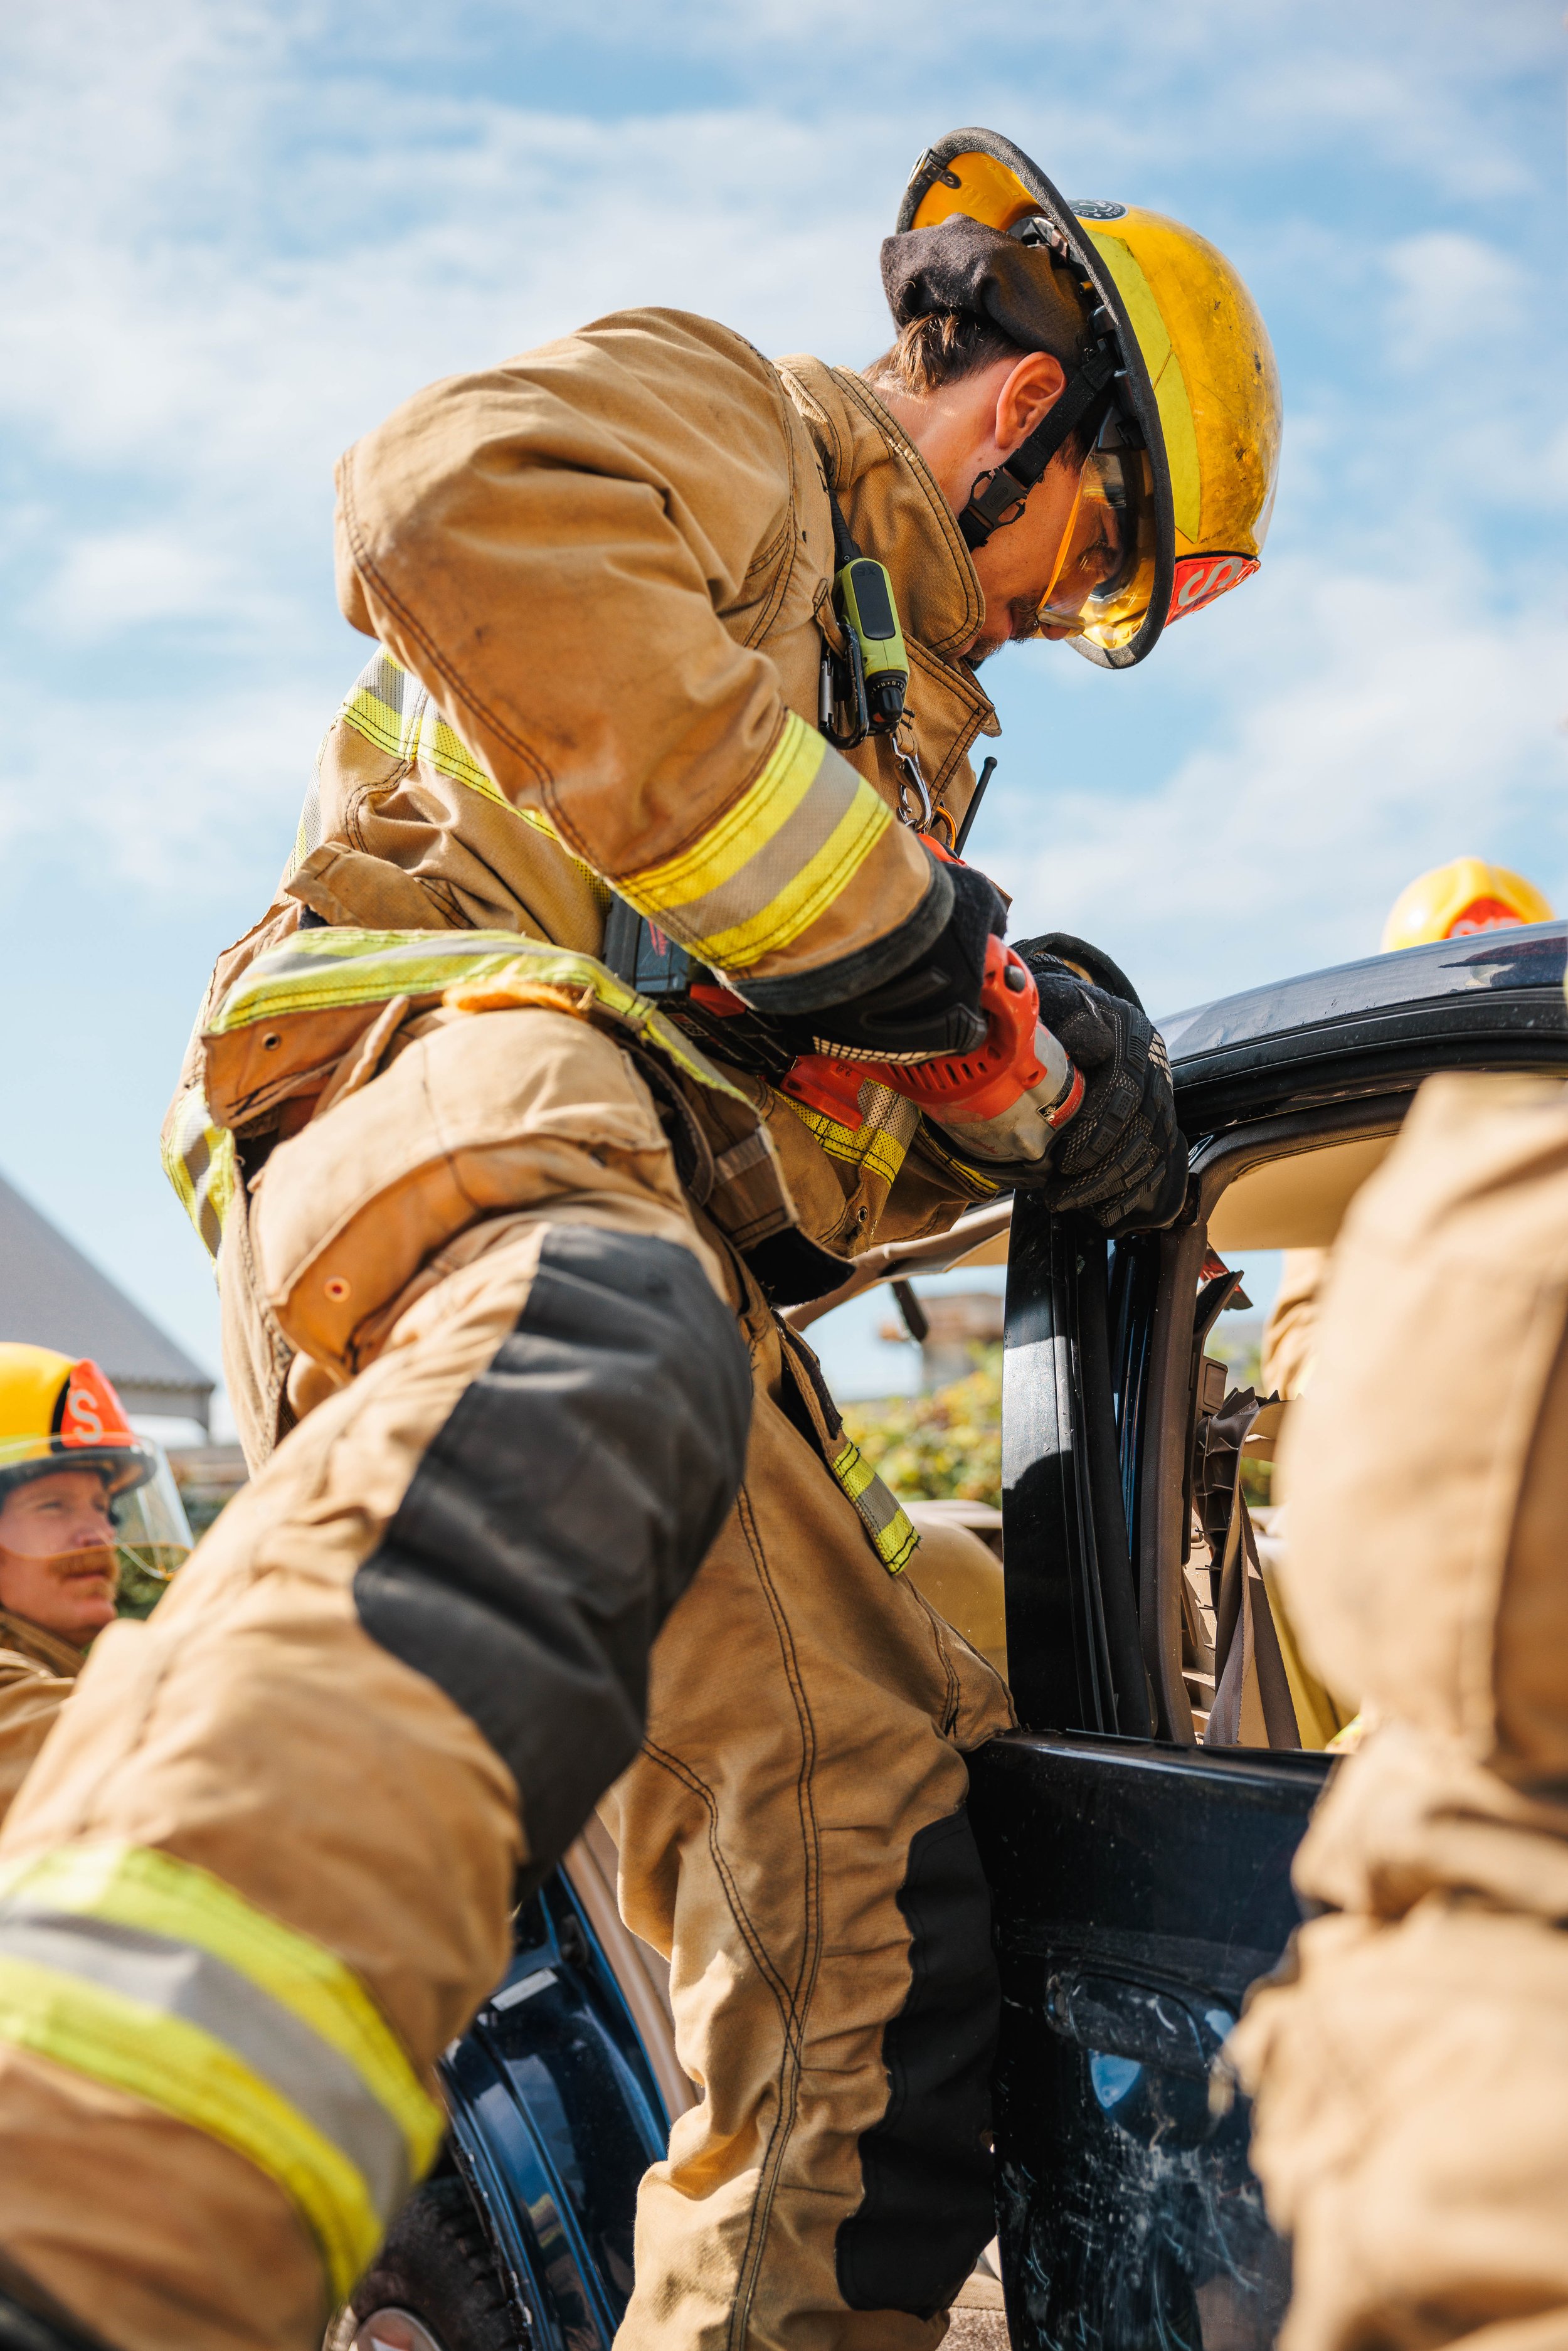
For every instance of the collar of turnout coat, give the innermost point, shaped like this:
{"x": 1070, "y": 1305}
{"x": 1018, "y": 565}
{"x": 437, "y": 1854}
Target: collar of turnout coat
{"x": 893, "y": 506}
{"x": 19, "y": 1637}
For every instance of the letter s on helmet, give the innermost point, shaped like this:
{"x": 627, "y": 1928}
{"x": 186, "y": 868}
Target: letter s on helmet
{"x": 1190, "y": 448}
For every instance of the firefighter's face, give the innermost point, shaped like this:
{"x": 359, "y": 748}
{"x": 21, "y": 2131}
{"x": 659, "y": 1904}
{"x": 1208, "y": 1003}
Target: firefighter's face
{"x": 58, "y": 1567}
{"x": 1063, "y": 547}
{"x": 1059, "y": 544}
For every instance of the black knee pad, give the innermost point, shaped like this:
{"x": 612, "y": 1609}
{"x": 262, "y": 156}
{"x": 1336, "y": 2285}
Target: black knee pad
{"x": 927, "y": 2212}
{"x": 562, "y": 1509}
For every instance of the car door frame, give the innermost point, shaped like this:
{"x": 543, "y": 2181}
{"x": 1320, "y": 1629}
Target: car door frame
{"x": 1100, "y": 1397}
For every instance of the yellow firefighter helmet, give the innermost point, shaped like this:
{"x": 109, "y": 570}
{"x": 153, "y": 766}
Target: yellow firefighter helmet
{"x": 1190, "y": 449}
{"x": 1465, "y": 895}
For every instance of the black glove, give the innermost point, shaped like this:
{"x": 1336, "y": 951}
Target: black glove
{"x": 1089, "y": 962}
{"x": 933, "y": 1005}
{"x": 1121, "y": 1159}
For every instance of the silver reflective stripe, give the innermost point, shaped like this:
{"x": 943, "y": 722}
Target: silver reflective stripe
{"x": 177, "y": 1980}
{"x": 747, "y": 1153}
{"x": 767, "y": 872}
{"x": 877, "y": 1505}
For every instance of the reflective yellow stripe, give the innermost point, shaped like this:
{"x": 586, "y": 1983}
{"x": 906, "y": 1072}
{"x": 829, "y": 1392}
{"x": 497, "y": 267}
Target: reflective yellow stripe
{"x": 199, "y": 1161}
{"x": 390, "y": 709}
{"x": 373, "y": 706}
{"x": 893, "y": 1536}
{"x": 788, "y": 775}
{"x": 440, "y": 747}
{"x": 131, "y": 1885}
{"x": 764, "y": 872}
{"x": 758, "y": 877}
{"x": 880, "y": 1144}
{"x": 316, "y": 971}
{"x": 1165, "y": 372}
{"x": 186, "y": 2073}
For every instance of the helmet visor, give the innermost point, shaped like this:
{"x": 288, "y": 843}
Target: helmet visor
{"x": 152, "y": 1536}
{"x": 1107, "y": 576}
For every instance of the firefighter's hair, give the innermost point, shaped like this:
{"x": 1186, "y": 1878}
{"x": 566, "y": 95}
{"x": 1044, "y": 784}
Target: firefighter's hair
{"x": 943, "y": 347}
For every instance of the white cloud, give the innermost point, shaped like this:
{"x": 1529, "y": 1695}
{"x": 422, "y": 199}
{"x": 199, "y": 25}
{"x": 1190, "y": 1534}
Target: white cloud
{"x": 234, "y": 257}
{"x": 112, "y": 581}
{"x": 1394, "y": 729}
{"x": 179, "y": 803}
{"x": 1454, "y": 293}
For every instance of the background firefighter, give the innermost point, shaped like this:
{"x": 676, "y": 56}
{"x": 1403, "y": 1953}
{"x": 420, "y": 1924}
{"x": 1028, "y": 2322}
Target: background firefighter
{"x": 488, "y": 1225}
{"x": 1452, "y": 901}
{"x": 83, "y": 1500}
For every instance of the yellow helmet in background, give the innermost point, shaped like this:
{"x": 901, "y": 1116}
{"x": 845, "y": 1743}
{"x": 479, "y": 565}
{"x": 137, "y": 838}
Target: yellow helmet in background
{"x": 1463, "y": 896}
{"x": 1191, "y": 450}
{"x": 57, "y": 1412}
{"x": 60, "y": 1413}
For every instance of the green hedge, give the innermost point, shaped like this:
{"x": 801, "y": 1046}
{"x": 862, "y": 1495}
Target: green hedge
{"x": 946, "y": 1446}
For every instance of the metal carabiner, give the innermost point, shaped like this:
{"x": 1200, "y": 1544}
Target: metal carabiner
{"x": 943, "y": 816}
{"x": 913, "y": 784}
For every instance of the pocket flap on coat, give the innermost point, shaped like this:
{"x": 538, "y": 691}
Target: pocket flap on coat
{"x": 489, "y": 1112}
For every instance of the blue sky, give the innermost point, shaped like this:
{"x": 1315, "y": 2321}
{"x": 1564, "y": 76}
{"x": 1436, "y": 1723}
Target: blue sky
{"x": 235, "y": 236}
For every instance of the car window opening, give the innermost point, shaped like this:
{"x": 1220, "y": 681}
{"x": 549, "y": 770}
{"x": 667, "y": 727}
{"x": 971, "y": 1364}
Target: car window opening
{"x": 1246, "y": 1679}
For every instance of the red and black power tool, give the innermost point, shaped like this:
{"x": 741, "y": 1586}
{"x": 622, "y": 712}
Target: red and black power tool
{"x": 1006, "y": 1099}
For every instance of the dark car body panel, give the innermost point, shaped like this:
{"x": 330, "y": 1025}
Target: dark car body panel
{"x": 554, "y": 2118}
{"x": 1139, "y": 1889}
{"x": 1140, "y": 1886}
{"x": 1491, "y": 1001}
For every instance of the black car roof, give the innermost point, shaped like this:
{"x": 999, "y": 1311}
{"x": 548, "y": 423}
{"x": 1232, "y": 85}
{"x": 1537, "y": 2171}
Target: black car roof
{"x": 1495, "y": 999}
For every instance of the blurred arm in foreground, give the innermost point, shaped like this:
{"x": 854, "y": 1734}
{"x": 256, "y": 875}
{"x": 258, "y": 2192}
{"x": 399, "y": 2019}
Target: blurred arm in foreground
{"x": 1411, "y": 2075}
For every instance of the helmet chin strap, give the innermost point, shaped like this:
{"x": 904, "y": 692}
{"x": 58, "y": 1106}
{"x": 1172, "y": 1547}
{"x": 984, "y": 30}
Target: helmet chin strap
{"x": 998, "y": 497}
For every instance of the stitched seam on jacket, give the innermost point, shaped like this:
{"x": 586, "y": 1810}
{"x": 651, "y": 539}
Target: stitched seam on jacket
{"x": 965, "y": 735}
{"x": 397, "y": 768}
{"x": 794, "y": 2058}
{"x": 363, "y": 563}
{"x": 367, "y": 795}
{"x": 955, "y": 1692}
{"x": 830, "y": 429}
{"x": 786, "y": 530}
{"x": 789, "y": 529}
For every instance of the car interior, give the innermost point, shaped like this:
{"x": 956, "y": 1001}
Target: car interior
{"x": 1209, "y": 1537}
{"x": 1230, "y": 1669}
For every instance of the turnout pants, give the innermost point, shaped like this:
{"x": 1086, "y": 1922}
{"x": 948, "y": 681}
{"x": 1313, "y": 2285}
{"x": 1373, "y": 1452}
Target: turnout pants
{"x": 793, "y": 1837}
{"x": 263, "y": 1873}
{"x": 264, "y": 1870}
{"x": 1411, "y": 2073}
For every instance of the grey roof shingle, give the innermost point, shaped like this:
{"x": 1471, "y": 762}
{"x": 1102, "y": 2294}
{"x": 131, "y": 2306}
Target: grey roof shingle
{"x": 52, "y": 1296}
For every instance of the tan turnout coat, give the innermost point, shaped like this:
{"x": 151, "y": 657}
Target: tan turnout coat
{"x": 37, "y": 1670}
{"x": 655, "y": 473}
